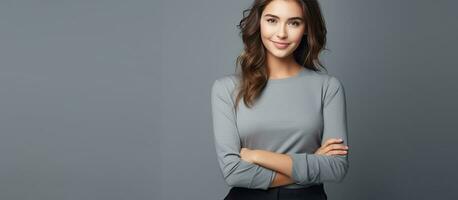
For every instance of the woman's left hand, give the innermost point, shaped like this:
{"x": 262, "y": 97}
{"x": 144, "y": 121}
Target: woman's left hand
{"x": 248, "y": 155}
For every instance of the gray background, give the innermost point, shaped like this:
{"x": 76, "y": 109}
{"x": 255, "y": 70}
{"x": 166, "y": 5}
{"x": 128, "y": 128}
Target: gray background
{"x": 111, "y": 99}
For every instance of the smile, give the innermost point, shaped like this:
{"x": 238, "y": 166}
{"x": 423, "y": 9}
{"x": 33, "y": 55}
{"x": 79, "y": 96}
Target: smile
{"x": 280, "y": 45}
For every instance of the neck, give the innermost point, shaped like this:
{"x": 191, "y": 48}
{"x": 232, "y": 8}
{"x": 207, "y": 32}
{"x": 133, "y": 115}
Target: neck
{"x": 281, "y": 67}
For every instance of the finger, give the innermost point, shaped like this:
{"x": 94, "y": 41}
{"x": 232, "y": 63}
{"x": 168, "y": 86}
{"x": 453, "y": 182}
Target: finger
{"x": 338, "y": 147}
{"x": 340, "y": 153}
{"x": 334, "y": 147}
{"x": 337, "y": 152}
{"x": 331, "y": 141}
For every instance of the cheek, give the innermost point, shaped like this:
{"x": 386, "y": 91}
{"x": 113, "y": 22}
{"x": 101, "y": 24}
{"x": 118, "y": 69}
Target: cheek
{"x": 266, "y": 30}
{"x": 296, "y": 37}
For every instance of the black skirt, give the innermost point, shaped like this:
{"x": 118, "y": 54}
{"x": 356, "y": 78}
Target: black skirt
{"x": 315, "y": 192}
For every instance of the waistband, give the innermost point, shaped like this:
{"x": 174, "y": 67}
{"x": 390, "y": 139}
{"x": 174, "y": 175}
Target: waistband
{"x": 318, "y": 187}
{"x": 313, "y": 192}
{"x": 311, "y": 189}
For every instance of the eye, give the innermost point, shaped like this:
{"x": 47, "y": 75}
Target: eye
{"x": 296, "y": 23}
{"x": 270, "y": 20}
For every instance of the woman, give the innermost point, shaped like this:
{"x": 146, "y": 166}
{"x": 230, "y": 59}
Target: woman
{"x": 280, "y": 125}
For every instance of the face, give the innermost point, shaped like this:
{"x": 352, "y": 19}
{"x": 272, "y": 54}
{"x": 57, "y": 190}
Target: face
{"x": 282, "y": 27}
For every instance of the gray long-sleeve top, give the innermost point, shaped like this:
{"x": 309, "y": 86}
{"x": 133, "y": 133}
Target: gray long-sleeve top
{"x": 293, "y": 116}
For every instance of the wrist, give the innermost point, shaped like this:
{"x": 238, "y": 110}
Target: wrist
{"x": 256, "y": 154}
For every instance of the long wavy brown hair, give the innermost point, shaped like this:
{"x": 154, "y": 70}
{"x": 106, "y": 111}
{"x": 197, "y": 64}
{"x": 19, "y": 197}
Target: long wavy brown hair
{"x": 252, "y": 61}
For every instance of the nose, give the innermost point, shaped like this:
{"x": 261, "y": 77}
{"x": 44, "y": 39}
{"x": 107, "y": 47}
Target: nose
{"x": 281, "y": 32}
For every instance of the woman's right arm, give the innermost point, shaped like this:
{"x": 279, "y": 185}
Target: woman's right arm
{"x": 236, "y": 172}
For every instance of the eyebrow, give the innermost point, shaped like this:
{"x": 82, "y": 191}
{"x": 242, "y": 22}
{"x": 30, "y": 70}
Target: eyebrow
{"x": 292, "y": 18}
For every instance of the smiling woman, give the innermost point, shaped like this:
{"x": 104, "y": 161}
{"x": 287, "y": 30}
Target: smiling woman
{"x": 293, "y": 32}
{"x": 281, "y": 28}
{"x": 277, "y": 123}
{"x": 269, "y": 26}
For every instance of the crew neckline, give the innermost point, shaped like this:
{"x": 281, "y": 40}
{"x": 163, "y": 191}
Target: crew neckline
{"x": 297, "y": 75}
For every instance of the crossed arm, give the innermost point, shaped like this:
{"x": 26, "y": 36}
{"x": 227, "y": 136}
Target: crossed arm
{"x": 274, "y": 169}
{"x": 280, "y": 163}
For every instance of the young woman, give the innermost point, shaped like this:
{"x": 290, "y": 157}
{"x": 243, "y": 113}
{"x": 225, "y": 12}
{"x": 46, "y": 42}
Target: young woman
{"x": 280, "y": 124}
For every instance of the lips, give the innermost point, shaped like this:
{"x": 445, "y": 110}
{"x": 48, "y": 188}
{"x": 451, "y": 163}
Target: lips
{"x": 281, "y": 45}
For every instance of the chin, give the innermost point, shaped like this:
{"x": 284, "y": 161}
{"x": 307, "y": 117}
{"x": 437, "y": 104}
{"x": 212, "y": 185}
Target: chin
{"x": 281, "y": 54}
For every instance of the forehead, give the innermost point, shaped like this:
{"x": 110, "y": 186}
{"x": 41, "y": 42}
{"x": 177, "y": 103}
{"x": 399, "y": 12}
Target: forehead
{"x": 284, "y": 8}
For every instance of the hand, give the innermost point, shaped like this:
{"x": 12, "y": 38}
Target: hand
{"x": 332, "y": 147}
{"x": 248, "y": 155}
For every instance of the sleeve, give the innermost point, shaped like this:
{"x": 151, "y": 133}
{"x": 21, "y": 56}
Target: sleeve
{"x": 313, "y": 168}
{"x": 236, "y": 172}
